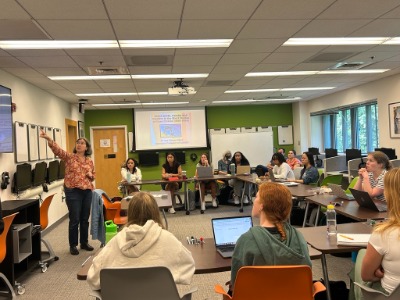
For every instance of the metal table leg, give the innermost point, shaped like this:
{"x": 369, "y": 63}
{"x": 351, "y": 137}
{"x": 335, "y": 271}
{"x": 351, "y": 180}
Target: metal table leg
{"x": 306, "y": 213}
{"x": 326, "y": 278}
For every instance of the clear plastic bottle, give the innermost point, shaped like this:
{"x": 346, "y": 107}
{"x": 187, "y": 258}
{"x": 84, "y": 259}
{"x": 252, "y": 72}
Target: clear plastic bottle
{"x": 331, "y": 220}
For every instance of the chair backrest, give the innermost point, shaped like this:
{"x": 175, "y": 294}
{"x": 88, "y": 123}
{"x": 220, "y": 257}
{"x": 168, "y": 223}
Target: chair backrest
{"x": 111, "y": 209}
{"x": 138, "y": 283}
{"x": 44, "y": 211}
{"x": 352, "y": 184}
{"x": 336, "y": 179}
{"x": 297, "y": 172}
{"x": 274, "y": 282}
{"x": 3, "y": 237}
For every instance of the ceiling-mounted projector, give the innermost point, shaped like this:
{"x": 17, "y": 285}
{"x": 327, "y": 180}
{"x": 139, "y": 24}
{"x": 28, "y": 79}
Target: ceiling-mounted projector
{"x": 181, "y": 89}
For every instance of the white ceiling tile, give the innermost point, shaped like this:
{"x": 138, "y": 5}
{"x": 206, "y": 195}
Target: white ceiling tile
{"x": 134, "y": 52}
{"x": 242, "y": 59}
{"x": 95, "y": 61}
{"x": 255, "y": 45}
{"x": 10, "y": 62}
{"x": 287, "y": 58}
{"x": 238, "y": 69}
{"x": 331, "y": 28}
{"x": 196, "y": 60}
{"x": 192, "y": 69}
{"x": 61, "y": 71}
{"x": 19, "y": 30}
{"x": 274, "y": 67}
{"x": 48, "y": 62}
{"x": 150, "y": 70}
{"x": 210, "y": 29}
{"x": 385, "y": 28}
{"x": 146, "y": 29}
{"x": 271, "y": 29}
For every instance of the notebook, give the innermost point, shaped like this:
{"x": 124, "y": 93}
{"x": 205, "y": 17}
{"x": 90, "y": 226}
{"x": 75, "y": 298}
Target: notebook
{"x": 227, "y": 231}
{"x": 364, "y": 200}
{"x": 353, "y": 239}
{"x": 205, "y": 172}
{"x": 339, "y": 192}
{"x": 243, "y": 170}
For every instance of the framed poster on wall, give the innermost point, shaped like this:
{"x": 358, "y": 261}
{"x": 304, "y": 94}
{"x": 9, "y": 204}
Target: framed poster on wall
{"x": 394, "y": 119}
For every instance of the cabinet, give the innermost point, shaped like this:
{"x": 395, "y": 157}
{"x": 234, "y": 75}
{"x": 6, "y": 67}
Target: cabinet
{"x": 23, "y": 241}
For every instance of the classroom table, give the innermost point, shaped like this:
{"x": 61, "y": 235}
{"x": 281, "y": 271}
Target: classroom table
{"x": 318, "y": 239}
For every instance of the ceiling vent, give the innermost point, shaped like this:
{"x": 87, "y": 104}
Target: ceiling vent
{"x": 350, "y": 65}
{"x": 108, "y": 71}
{"x": 149, "y": 60}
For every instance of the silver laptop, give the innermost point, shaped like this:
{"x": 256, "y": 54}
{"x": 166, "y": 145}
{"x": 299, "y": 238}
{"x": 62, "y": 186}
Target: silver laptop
{"x": 339, "y": 192}
{"x": 273, "y": 178}
{"x": 243, "y": 170}
{"x": 227, "y": 231}
{"x": 205, "y": 172}
{"x": 364, "y": 200}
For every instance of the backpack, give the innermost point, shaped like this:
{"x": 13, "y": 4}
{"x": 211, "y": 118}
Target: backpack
{"x": 224, "y": 194}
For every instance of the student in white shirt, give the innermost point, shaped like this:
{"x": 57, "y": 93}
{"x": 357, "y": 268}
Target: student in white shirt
{"x": 281, "y": 169}
{"x": 131, "y": 173}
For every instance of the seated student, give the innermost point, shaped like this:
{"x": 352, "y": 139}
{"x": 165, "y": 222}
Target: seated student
{"x": 309, "y": 174}
{"x": 206, "y": 184}
{"x": 292, "y": 160}
{"x": 171, "y": 168}
{"x": 143, "y": 242}
{"x": 370, "y": 179}
{"x": 131, "y": 173}
{"x": 223, "y": 164}
{"x": 239, "y": 160}
{"x": 275, "y": 241}
{"x": 281, "y": 169}
{"x": 381, "y": 263}
{"x": 271, "y": 162}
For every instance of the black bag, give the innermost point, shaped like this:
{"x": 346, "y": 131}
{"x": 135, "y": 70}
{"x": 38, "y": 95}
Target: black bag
{"x": 191, "y": 200}
{"x": 339, "y": 291}
{"x": 224, "y": 194}
{"x": 297, "y": 216}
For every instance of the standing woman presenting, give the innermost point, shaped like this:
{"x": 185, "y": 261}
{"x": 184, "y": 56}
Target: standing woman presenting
{"x": 78, "y": 187}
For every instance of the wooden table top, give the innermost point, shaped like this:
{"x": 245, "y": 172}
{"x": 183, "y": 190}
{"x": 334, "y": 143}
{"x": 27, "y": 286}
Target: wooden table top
{"x": 317, "y": 237}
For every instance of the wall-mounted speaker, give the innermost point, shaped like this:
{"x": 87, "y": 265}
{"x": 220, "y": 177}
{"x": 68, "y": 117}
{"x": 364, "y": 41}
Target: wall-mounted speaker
{"x": 82, "y": 108}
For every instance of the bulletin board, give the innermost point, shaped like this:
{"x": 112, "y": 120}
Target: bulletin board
{"x": 33, "y": 142}
{"x": 21, "y": 142}
{"x": 285, "y": 135}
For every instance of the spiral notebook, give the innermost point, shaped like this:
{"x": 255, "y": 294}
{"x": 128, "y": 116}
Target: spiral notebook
{"x": 353, "y": 239}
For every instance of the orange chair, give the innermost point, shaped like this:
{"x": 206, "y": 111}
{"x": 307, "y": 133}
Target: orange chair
{"x": 3, "y": 250}
{"x": 44, "y": 221}
{"x": 118, "y": 219}
{"x": 111, "y": 208}
{"x": 273, "y": 282}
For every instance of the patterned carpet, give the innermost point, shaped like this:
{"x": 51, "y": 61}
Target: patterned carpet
{"x": 59, "y": 282}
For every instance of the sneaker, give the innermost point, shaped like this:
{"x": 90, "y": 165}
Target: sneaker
{"x": 73, "y": 250}
{"x": 246, "y": 200}
{"x": 171, "y": 210}
{"x": 214, "y": 203}
{"x": 203, "y": 206}
{"x": 236, "y": 200}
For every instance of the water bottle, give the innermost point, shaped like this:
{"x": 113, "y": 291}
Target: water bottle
{"x": 111, "y": 230}
{"x": 232, "y": 169}
{"x": 331, "y": 220}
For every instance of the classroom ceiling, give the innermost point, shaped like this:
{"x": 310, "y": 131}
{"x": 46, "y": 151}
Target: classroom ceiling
{"x": 258, "y": 29}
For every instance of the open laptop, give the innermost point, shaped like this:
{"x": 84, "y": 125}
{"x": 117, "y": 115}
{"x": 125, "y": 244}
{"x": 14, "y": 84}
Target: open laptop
{"x": 205, "y": 172}
{"x": 227, "y": 231}
{"x": 364, "y": 200}
{"x": 281, "y": 180}
{"x": 339, "y": 192}
{"x": 243, "y": 170}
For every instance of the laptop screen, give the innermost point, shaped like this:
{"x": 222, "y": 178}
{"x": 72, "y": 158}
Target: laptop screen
{"x": 228, "y": 230}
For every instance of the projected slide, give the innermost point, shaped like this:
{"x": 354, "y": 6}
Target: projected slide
{"x": 163, "y": 129}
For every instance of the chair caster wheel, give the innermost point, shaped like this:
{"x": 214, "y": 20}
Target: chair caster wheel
{"x": 202, "y": 211}
{"x": 56, "y": 258}
{"x": 241, "y": 210}
{"x": 21, "y": 289}
{"x": 187, "y": 213}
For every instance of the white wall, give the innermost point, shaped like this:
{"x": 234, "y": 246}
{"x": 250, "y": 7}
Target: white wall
{"x": 36, "y": 106}
{"x": 386, "y": 90}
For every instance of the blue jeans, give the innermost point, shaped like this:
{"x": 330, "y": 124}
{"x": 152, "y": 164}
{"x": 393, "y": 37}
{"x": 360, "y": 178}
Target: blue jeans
{"x": 79, "y": 203}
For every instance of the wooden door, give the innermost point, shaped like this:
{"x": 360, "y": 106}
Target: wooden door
{"x": 109, "y": 149}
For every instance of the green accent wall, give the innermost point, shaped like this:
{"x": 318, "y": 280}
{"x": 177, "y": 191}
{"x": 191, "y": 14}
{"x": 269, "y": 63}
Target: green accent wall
{"x": 217, "y": 117}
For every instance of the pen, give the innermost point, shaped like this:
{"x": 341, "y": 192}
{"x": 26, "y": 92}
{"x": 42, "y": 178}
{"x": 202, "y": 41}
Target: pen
{"x": 346, "y": 237}
{"x": 86, "y": 261}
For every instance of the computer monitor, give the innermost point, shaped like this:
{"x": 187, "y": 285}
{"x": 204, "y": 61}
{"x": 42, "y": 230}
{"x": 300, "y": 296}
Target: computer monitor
{"x": 390, "y": 152}
{"x": 330, "y": 152}
{"x": 22, "y": 178}
{"x": 353, "y": 154}
{"x": 314, "y": 150}
{"x": 148, "y": 159}
{"x": 61, "y": 170}
{"x": 52, "y": 171}
{"x": 39, "y": 173}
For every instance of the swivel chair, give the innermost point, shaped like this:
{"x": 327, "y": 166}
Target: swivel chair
{"x": 3, "y": 251}
{"x": 44, "y": 222}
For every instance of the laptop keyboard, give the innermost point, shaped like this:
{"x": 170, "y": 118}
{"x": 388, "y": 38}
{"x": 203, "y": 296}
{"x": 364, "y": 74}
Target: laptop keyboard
{"x": 226, "y": 248}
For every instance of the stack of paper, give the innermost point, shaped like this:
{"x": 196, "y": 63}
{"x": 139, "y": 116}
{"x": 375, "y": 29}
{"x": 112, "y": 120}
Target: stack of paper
{"x": 353, "y": 239}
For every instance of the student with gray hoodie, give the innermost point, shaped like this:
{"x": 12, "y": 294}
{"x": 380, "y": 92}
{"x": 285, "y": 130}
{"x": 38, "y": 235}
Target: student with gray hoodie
{"x": 275, "y": 241}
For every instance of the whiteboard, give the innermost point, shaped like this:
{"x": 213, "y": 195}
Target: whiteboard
{"x": 257, "y": 147}
{"x": 42, "y": 145}
{"x": 33, "y": 142}
{"x": 285, "y": 135}
{"x": 21, "y": 137}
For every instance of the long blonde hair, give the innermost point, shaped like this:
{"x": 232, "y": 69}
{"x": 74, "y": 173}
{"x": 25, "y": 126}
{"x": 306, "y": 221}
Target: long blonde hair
{"x": 277, "y": 204}
{"x": 391, "y": 183}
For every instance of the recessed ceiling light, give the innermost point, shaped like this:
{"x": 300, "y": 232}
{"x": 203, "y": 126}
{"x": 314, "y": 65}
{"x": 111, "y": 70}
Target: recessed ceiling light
{"x": 297, "y": 73}
{"x": 121, "y": 94}
{"x": 161, "y": 76}
{"x": 335, "y": 41}
{"x": 276, "y": 90}
{"x": 116, "y": 104}
{"x": 235, "y": 101}
{"x": 365, "y": 71}
{"x": 251, "y": 91}
{"x": 84, "y": 44}
{"x": 92, "y": 77}
{"x": 163, "y": 103}
{"x": 201, "y": 43}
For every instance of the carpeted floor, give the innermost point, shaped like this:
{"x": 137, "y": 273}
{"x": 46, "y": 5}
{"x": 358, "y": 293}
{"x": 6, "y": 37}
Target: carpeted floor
{"x": 59, "y": 282}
